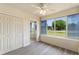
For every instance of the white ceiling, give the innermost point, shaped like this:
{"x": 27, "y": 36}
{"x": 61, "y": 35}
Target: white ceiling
{"x": 34, "y": 9}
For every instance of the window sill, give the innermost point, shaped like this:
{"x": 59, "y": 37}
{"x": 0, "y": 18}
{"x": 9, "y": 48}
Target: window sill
{"x": 53, "y": 36}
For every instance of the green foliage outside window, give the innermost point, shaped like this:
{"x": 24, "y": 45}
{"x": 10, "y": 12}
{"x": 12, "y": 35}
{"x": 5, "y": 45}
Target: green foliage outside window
{"x": 59, "y": 25}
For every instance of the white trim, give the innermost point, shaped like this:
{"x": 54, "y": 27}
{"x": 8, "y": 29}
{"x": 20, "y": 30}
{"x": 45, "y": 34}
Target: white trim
{"x": 66, "y": 32}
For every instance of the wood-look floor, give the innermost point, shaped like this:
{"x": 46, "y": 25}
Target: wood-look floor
{"x": 40, "y": 48}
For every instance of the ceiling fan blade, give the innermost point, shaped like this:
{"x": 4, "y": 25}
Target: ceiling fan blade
{"x": 35, "y": 6}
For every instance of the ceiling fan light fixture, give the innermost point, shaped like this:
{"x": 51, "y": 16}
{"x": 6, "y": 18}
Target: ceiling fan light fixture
{"x": 43, "y": 12}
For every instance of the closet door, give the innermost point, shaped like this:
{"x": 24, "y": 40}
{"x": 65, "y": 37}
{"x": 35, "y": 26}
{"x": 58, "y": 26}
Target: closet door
{"x": 5, "y": 33}
{"x": 11, "y": 41}
{"x": 1, "y": 35}
{"x": 11, "y": 33}
{"x": 18, "y": 33}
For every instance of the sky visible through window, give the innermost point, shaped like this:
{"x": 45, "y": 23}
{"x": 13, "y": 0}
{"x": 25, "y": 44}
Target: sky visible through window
{"x": 49, "y": 22}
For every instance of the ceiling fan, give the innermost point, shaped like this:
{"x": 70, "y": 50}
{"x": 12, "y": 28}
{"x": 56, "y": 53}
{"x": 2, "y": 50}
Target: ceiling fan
{"x": 43, "y": 10}
{"x": 42, "y": 7}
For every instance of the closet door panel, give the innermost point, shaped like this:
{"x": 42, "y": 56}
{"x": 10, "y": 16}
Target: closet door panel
{"x": 11, "y": 45}
{"x": 1, "y": 35}
{"x": 18, "y": 34}
{"x": 5, "y": 33}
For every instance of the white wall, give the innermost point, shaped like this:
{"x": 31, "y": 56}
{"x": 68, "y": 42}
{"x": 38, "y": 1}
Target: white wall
{"x": 66, "y": 43}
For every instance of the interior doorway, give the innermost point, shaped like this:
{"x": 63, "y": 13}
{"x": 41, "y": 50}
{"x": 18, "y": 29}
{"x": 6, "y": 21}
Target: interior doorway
{"x": 33, "y": 30}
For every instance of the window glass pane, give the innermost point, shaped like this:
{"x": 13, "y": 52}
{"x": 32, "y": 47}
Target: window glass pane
{"x": 43, "y": 27}
{"x": 56, "y": 26}
{"x": 50, "y": 26}
{"x": 33, "y": 27}
{"x": 60, "y": 26}
{"x": 73, "y": 26}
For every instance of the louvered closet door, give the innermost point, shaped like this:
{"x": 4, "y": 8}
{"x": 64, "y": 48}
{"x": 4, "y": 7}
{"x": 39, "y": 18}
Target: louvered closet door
{"x": 11, "y": 33}
{"x": 11, "y": 27}
{"x": 18, "y": 33}
{"x": 1, "y": 35}
{"x": 5, "y": 33}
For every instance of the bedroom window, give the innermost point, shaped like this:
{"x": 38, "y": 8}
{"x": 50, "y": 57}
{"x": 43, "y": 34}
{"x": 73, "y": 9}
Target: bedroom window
{"x": 56, "y": 26}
